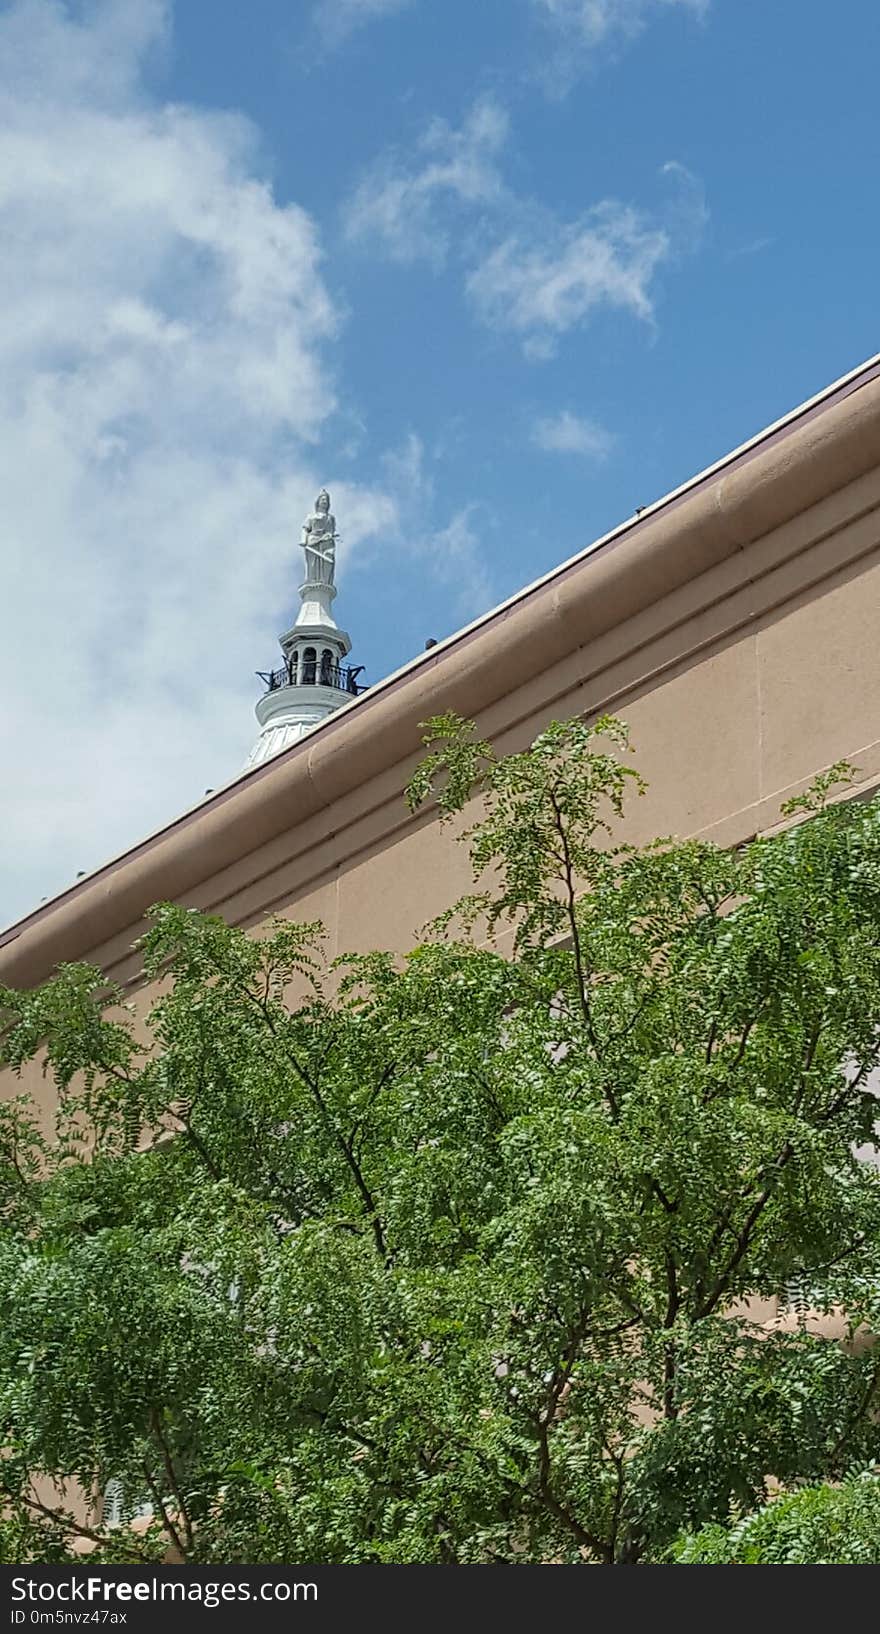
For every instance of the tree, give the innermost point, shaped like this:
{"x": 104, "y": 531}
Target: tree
{"x": 445, "y": 1258}
{"x": 816, "y": 1526}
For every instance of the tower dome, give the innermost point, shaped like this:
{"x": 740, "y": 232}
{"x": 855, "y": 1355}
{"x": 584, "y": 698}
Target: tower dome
{"x": 314, "y": 678}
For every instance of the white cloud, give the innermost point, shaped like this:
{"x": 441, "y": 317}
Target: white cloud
{"x": 164, "y": 327}
{"x": 593, "y": 22}
{"x": 752, "y": 246}
{"x": 686, "y": 215}
{"x": 398, "y": 205}
{"x": 545, "y": 284}
{"x": 581, "y": 31}
{"x": 337, "y": 19}
{"x": 526, "y": 270}
{"x": 408, "y": 478}
{"x": 457, "y": 555}
{"x": 568, "y": 433}
{"x": 453, "y": 556}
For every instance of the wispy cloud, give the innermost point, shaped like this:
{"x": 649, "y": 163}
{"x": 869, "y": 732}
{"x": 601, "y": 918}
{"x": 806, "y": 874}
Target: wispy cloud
{"x": 581, "y": 32}
{"x": 527, "y": 270}
{"x": 458, "y": 559}
{"x": 452, "y": 554}
{"x": 568, "y": 433}
{"x": 335, "y": 20}
{"x": 541, "y": 288}
{"x": 165, "y": 375}
{"x": 753, "y": 246}
{"x": 686, "y": 212}
{"x": 595, "y": 22}
{"x": 399, "y": 204}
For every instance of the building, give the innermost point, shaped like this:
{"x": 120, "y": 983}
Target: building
{"x": 313, "y": 679}
{"x": 733, "y": 625}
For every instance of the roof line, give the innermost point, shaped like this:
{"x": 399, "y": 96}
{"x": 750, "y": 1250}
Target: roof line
{"x": 869, "y": 370}
{"x": 837, "y": 391}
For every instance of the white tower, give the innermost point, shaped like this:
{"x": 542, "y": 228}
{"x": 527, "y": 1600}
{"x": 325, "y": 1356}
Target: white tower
{"x": 314, "y": 680}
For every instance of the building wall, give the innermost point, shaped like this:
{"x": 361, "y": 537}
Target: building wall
{"x": 735, "y": 628}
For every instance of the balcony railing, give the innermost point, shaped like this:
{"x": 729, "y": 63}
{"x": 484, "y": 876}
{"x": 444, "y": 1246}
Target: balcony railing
{"x": 342, "y": 677}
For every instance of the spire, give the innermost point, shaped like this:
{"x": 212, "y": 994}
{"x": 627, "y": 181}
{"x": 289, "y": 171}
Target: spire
{"x": 313, "y": 680}
{"x": 318, "y": 591}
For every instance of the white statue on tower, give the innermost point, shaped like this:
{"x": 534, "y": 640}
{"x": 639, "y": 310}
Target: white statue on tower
{"x": 319, "y": 542}
{"x": 314, "y": 680}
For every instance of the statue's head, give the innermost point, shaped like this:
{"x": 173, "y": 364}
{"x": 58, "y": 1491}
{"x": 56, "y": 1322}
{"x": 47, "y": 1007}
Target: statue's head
{"x": 322, "y": 503}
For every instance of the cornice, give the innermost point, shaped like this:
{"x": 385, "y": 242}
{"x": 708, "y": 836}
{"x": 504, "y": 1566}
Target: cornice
{"x": 819, "y": 450}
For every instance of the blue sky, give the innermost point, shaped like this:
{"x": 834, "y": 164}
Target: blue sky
{"x": 496, "y": 271}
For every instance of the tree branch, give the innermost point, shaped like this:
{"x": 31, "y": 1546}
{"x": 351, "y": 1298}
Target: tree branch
{"x": 65, "y": 1522}
{"x": 167, "y": 1522}
{"x": 860, "y": 1411}
{"x": 171, "y": 1475}
{"x": 574, "y": 929}
{"x": 369, "y": 1202}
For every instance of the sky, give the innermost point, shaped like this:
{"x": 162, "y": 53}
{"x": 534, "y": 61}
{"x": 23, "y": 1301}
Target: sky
{"x": 497, "y": 272}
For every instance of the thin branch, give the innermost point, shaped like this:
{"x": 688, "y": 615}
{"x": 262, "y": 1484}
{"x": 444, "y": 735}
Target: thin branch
{"x": 620, "y": 1469}
{"x": 199, "y": 1146}
{"x": 779, "y": 1163}
{"x": 170, "y": 1473}
{"x": 66, "y": 1522}
{"x": 586, "y": 1539}
{"x": 669, "y": 1204}
{"x": 580, "y": 968}
{"x": 860, "y": 1411}
{"x": 743, "y": 1241}
{"x": 851, "y": 1248}
{"x": 167, "y": 1522}
{"x": 360, "y": 1126}
{"x": 543, "y": 1421}
{"x": 673, "y": 1305}
{"x": 369, "y": 1202}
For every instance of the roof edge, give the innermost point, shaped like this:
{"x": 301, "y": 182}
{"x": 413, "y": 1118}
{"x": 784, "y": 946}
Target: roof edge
{"x": 811, "y": 452}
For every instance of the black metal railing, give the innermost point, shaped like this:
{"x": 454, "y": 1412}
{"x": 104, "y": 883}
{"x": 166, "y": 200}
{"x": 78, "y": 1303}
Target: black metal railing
{"x": 342, "y": 677}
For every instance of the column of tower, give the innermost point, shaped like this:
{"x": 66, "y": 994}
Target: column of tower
{"x": 314, "y": 678}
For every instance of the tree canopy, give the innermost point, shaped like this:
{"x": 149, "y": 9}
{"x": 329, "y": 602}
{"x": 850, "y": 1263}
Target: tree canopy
{"x": 447, "y": 1258}
{"x": 813, "y": 1526}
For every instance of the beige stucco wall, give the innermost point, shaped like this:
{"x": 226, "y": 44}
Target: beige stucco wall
{"x": 735, "y": 629}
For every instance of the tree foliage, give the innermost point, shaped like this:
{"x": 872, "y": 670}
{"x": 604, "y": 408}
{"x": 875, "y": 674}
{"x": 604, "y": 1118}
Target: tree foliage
{"x": 815, "y": 1526}
{"x": 445, "y": 1258}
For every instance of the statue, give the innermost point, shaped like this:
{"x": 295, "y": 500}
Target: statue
{"x": 319, "y": 542}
